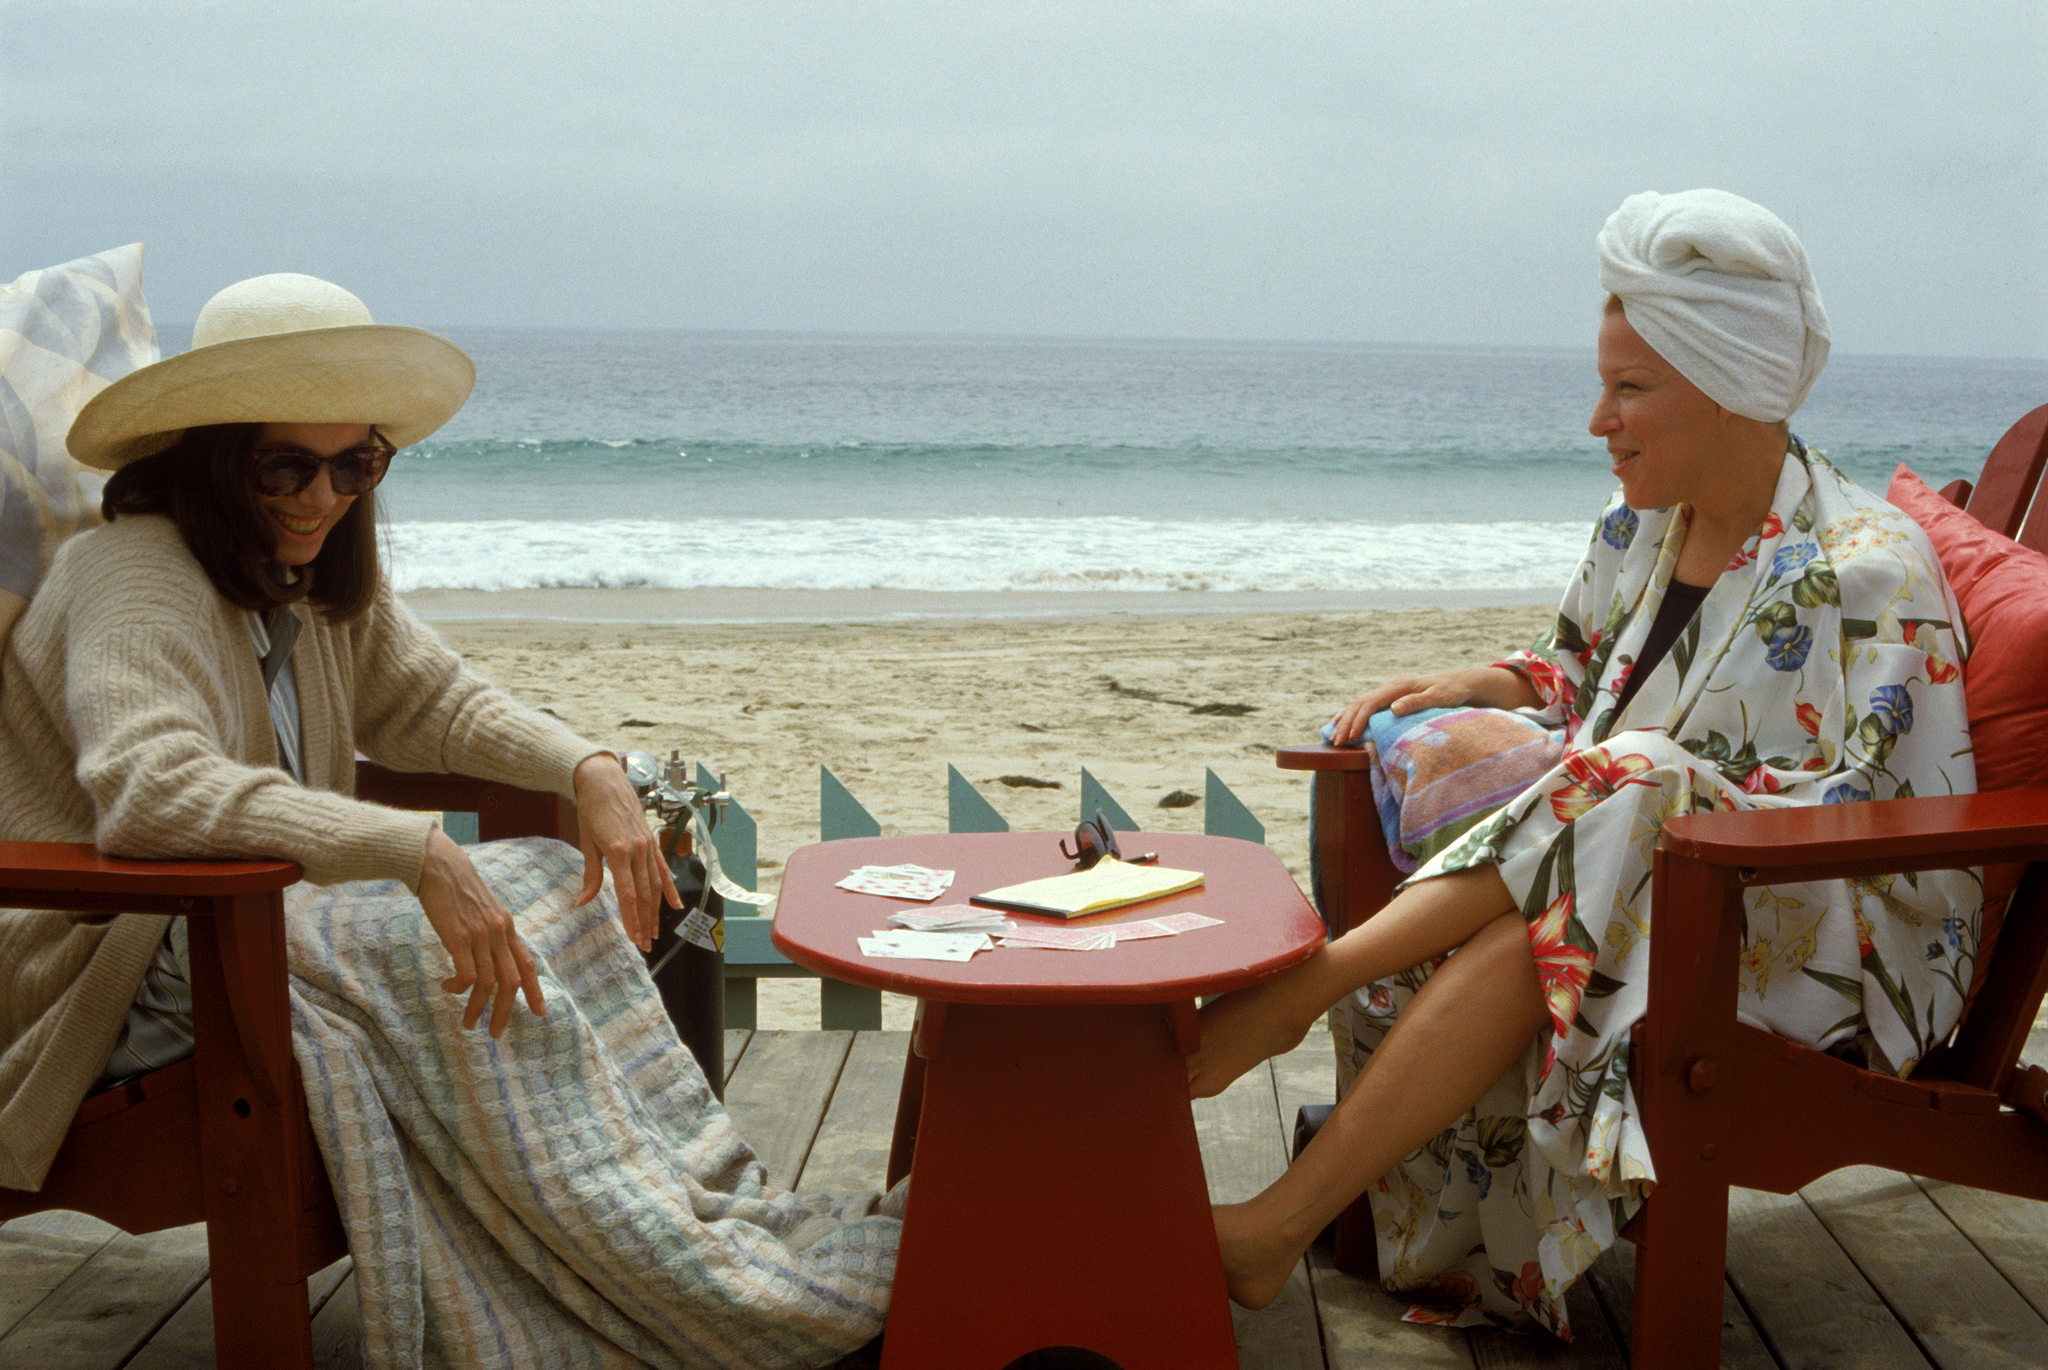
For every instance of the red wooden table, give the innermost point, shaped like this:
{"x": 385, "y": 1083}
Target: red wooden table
{"x": 1058, "y": 1197}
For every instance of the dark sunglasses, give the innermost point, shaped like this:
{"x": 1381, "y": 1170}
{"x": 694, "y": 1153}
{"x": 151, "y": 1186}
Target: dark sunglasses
{"x": 1093, "y": 840}
{"x": 281, "y": 471}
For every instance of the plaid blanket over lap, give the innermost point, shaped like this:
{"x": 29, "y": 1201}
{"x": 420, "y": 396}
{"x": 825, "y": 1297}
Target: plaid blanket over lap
{"x": 570, "y": 1194}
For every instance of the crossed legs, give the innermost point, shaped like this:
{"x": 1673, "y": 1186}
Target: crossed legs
{"x": 1465, "y": 1026}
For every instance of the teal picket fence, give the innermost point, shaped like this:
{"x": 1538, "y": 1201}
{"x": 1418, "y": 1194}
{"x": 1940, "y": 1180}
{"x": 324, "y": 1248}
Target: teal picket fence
{"x": 750, "y": 957}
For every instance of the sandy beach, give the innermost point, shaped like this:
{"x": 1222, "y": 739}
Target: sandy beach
{"x": 887, "y": 704}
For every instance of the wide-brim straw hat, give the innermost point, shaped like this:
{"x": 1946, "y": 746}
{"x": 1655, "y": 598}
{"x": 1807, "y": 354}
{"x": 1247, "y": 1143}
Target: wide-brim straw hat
{"x": 283, "y": 348}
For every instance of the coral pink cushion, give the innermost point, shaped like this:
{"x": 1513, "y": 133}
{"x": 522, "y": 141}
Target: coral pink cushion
{"x": 2002, "y": 589}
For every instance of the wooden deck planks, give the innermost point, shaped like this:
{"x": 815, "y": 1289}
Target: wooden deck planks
{"x": 736, "y": 1040}
{"x": 185, "y": 1342}
{"x": 851, "y": 1153}
{"x": 2012, "y": 1234}
{"x": 1957, "y": 1306}
{"x": 1866, "y": 1269}
{"x": 338, "y": 1330}
{"x": 40, "y": 1253}
{"x": 1613, "y": 1278}
{"x": 1816, "y": 1307}
{"x": 779, "y": 1092}
{"x": 111, "y": 1304}
{"x": 1362, "y": 1327}
{"x": 1593, "y": 1346}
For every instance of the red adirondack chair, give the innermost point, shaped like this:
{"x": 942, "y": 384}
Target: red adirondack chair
{"x": 1726, "y": 1104}
{"x": 222, "y": 1137}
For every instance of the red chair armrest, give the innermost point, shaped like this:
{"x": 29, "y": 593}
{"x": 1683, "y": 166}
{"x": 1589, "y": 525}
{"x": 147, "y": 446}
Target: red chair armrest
{"x": 239, "y": 935}
{"x": 417, "y": 789}
{"x": 1321, "y": 757}
{"x": 501, "y": 810}
{"x": 1888, "y": 835}
{"x": 76, "y": 876}
{"x": 1705, "y": 859}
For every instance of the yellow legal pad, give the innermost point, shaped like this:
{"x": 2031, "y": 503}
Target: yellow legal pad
{"x": 1108, "y": 884}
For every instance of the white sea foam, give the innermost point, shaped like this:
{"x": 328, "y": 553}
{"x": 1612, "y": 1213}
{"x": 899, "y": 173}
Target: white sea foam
{"x": 985, "y": 554}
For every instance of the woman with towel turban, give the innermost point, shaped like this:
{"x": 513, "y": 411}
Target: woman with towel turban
{"x": 1747, "y": 629}
{"x": 192, "y": 680}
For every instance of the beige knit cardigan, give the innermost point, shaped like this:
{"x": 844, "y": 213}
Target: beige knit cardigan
{"x": 133, "y": 716}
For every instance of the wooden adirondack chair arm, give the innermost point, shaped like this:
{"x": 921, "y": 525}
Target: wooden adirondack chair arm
{"x": 1321, "y": 756}
{"x": 1706, "y": 859}
{"x": 1772, "y": 846}
{"x": 1921, "y": 833}
{"x": 501, "y": 810}
{"x": 77, "y": 877}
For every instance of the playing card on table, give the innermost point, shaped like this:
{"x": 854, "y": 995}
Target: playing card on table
{"x": 898, "y": 882}
{"x": 903, "y": 945}
{"x": 1149, "y": 927}
{"x": 1186, "y": 922}
{"x": 1062, "y": 939}
{"x": 951, "y": 918}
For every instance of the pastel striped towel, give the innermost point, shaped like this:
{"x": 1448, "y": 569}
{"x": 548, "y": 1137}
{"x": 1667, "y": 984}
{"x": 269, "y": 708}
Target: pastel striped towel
{"x": 1441, "y": 771}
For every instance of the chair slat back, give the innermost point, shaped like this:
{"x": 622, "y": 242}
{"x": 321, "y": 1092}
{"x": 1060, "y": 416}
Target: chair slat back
{"x": 1988, "y": 1044}
{"x": 2004, "y": 497}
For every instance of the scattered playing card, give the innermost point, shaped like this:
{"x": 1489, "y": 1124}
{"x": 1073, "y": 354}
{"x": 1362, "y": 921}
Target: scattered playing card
{"x": 1134, "y": 932}
{"x": 951, "y": 918}
{"x": 1186, "y": 922}
{"x": 920, "y": 883}
{"x": 902, "y": 945}
{"x": 1098, "y": 938}
{"x": 1064, "y": 939}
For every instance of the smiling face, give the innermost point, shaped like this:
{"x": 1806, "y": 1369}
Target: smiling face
{"x": 1669, "y": 443}
{"x": 299, "y": 524}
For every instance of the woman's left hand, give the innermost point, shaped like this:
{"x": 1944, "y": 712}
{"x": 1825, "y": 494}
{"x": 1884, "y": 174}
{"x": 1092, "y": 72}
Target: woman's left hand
{"x": 615, "y": 835}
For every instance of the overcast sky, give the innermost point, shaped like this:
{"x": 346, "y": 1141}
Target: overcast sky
{"x": 1379, "y": 170}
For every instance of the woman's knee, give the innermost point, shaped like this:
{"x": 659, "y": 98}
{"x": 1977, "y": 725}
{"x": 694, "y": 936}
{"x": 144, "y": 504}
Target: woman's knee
{"x": 1504, "y": 961}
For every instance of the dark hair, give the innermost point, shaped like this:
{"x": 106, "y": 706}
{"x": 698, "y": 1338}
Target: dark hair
{"x": 202, "y": 483}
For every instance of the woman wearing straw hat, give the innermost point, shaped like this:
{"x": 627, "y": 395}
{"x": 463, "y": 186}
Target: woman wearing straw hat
{"x": 193, "y": 679}
{"x": 1748, "y": 629}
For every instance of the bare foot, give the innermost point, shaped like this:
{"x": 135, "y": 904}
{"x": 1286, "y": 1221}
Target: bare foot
{"x": 1252, "y": 1025}
{"x": 1256, "y": 1259}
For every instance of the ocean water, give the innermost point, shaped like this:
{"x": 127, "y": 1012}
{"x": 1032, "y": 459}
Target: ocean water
{"x": 695, "y": 461}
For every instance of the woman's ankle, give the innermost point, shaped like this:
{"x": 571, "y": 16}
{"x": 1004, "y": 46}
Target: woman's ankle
{"x": 1257, "y": 1259}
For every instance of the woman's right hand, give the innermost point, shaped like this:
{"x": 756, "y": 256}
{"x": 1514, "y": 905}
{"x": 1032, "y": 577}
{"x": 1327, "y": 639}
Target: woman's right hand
{"x": 1492, "y": 687}
{"x": 491, "y": 961}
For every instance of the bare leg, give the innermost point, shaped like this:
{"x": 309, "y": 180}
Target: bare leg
{"x": 1423, "y": 921}
{"x": 1465, "y": 1026}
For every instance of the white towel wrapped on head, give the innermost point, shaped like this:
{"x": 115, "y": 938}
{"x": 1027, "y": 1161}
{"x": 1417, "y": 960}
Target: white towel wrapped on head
{"x": 1721, "y": 288}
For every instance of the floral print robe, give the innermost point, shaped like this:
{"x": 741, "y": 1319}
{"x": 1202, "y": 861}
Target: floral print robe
{"x": 1822, "y": 668}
